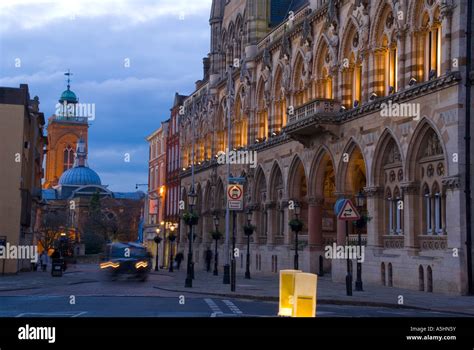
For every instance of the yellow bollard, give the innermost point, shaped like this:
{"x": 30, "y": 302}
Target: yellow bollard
{"x": 287, "y": 292}
{"x": 305, "y": 295}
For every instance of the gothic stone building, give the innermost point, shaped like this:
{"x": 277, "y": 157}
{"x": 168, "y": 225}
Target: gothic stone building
{"x": 337, "y": 98}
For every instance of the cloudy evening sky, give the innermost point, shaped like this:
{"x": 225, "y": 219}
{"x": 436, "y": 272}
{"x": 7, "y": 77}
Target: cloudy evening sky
{"x": 164, "y": 40}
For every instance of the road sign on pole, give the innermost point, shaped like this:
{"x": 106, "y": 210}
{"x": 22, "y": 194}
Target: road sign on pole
{"x": 348, "y": 212}
{"x": 235, "y": 197}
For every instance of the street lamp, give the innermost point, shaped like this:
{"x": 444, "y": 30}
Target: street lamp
{"x": 191, "y": 220}
{"x": 216, "y": 236}
{"x": 360, "y": 202}
{"x": 157, "y": 240}
{"x": 248, "y": 231}
{"x": 296, "y": 226}
{"x": 171, "y": 238}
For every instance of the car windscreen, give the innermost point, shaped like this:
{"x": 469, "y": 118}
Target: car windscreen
{"x": 127, "y": 252}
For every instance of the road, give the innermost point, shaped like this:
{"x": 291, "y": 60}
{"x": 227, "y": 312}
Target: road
{"x": 177, "y": 306}
{"x": 83, "y": 292}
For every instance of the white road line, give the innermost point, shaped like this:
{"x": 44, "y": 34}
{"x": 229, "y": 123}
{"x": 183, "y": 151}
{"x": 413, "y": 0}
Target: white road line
{"x": 216, "y": 310}
{"x": 232, "y": 307}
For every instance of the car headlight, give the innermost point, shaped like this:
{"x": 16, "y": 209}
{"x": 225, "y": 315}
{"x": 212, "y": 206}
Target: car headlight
{"x": 109, "y": 264}
{"x": 141, "y": 264}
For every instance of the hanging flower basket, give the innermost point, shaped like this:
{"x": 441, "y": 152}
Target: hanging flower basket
{"x": 216, "y": 235}
{"x": 248, "y": 230}
{"x": 296, "y": 225}
{"x": 190, "y": 219}
{"x": 172, "y": 237}
{"x": 362, "y": 222}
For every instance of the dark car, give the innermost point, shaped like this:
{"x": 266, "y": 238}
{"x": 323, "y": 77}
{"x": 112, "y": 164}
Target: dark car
{"x": 127, "y": 259}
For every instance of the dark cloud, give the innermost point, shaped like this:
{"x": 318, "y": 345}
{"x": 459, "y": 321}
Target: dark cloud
{"x": 165, "y": 56}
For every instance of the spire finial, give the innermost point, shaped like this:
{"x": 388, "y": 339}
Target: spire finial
{"x": 68, "y": 74}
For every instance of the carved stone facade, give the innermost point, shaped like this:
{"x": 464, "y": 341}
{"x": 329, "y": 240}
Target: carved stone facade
{"x": 315, "y": 98}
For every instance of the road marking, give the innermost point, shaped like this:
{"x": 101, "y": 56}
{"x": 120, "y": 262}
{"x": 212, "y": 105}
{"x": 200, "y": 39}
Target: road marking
{"x": 216, "y": 310}
{"x": 232, "y": 307}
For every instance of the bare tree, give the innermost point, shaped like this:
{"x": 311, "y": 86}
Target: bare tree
{"x": 53, "y": 223}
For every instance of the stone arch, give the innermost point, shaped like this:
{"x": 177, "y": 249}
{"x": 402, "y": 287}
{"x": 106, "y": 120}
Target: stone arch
{"x": 390, "y": 275}
{"x": 344, "y": 183}
{"x": 323, "y": 82}
{"x": 277, "y": 206}
{"x": 297, "y": 187}
{"x": 429, "y": 279}
{"x": 351, "y": 65}
{"x": 414, "y": 147}
{"x": 300, "y": 92}
{"x": 382, "y": 273}
{"x": 260, "y": 199}
{"x": 421, "y": 279}
{"x": 386, "y": 140}
{"x": 317, "y": 171}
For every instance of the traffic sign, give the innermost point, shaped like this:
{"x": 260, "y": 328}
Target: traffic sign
{"x": 237, "y": 180}
{"x": 348, "y": 212}
{"x": 235, "y": 197}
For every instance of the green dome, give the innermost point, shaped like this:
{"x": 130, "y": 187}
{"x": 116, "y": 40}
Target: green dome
{"x": 68, "y": 96}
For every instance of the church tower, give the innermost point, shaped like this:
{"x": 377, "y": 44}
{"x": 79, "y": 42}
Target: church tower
{"x": 65, "y": 128}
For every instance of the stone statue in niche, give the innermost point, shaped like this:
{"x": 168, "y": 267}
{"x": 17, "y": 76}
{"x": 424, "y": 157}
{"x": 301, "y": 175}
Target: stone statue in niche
{"x": 333, "y": 40}
{"x": 433, "y": 146}
{"x": 267, "y": 79}
{"x": 362, "y": 17}
{"x": 307, "y": 64}
{"x": 286, "y": 76}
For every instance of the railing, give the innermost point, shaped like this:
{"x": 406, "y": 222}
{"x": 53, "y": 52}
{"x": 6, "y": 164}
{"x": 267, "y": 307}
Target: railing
{"x": 354, "y": 239}
{"x": 393, "y": 242}
{"x": 318, "y": 106}
{"x": 69, "y": 119}
{"x": 433, "y": 242}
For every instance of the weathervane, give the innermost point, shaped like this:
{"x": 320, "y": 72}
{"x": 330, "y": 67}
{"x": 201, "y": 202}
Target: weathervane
{"x": 68, "y": 74}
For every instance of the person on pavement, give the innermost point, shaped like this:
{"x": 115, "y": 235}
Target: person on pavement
{"x": 208, "y": 259}
{"x": 43, "y": 259}
{"x": 179, "y": 258}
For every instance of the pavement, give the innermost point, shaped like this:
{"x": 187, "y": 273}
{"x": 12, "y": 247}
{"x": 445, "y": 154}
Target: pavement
{"x": 265, "y": 287}
{"x": 86, "y": 280}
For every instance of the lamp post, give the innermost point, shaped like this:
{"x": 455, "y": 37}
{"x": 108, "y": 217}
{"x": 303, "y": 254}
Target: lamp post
{"x": 216, "y": 237}
{"x": 360, "y": 202}
{"x": 157, "y": 240}
{"x": 248, "y": 230}
{"x": 191, "y": 220}
{"x": 171, "y": 238}
{"x": 296, "y": 226}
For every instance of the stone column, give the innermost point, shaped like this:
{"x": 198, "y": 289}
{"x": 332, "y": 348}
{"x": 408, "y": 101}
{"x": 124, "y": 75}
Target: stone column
{"x": 315, "y": 232}
{"x": 446, "y": 17}
{"x": 401, "y": 41}
{"x": 315, "y": 221}
{"x": 364, "y": 94}
{"x": 375, "y": 211}
{"x": 286, "y": 229}
{"x": 271, "y": 229}
{"x": 455, "y": 230}
{"x": 411, "y": 214}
